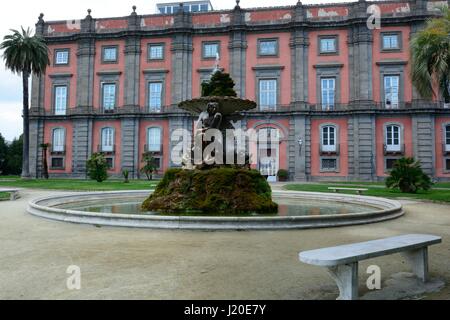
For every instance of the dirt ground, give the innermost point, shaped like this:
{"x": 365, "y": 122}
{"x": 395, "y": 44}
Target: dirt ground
{"x": 121, "y": 263}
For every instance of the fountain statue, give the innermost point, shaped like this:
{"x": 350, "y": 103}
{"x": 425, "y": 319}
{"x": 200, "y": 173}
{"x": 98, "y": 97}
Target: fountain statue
{"x": 205, "y": 184}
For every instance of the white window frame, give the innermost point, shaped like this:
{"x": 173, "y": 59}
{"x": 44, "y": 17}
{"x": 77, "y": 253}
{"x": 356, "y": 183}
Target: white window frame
{"x": 388, "y": 41}
{"x": 268, "y": 94}
{"x": 447, "y": 137}
{"x": 264, "y": 42}
{"x": 328, "y": 138}
{"x": 155, "y": 97}
{"x": 107, "y": 139}
{"x": 325, "y": 45}
{"x": 61, "y": 56}
{"x": 391, "y": 92}
{"x": 107, "y": 58}
{"x": 156, "y": 51}
{"x": 207, "y": 52}
{"x": 58, "y": 139}
{"x": 60, "y": 99}
{"x": 393, "y": 133}
{"x": 105, "y": 99}
{"x": 328, "y": 93}
{"x": 154, "y": 143}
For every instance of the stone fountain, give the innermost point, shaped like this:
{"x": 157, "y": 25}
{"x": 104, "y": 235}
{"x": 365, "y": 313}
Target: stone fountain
{"x": 206, "y": 183}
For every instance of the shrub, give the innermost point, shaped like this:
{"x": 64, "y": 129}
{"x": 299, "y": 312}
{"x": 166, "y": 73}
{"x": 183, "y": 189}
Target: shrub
{"x": 125, "y": 174}
{"x": 220, "y": 84}
{"x": 149, "y": 165}
{"x": 97, "y": 167}
{"x": 407, "y": 175}
{"x": 283, "y": 174}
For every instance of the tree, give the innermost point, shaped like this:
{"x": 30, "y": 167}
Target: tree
{"x": 3, "y": 154}
{"x": 149, "y": 165}
{"x": 97, "y": 167}
{"x": 25, "y": 54}
{"x": 407, "y": 175}
{"x": 44, "y": 147}
{"x": 13, "y": 161}
{"x": 220, "y": 84}
{"x": 430, "y": 57}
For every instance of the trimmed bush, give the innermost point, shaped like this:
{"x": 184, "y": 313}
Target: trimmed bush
{"x": 97, "y": 167}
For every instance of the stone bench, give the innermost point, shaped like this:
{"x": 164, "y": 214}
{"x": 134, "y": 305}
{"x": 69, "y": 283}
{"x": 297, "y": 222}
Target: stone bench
{"x": 342, "y": 261}
{"x": 358, "y": 190}
{"x": 13, "y": 193}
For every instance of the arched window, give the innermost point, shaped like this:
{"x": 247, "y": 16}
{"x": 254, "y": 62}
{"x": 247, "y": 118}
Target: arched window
{"x": 58, "y": 140}
{"x": 328, "y": 139}
{"x": 154, "y": 139}
{"x": 268, "y": 151}
{"x": 107, "y": 140}
{"x": 393, "y": 138}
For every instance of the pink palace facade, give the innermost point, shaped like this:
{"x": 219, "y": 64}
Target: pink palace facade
{"x": 339, "y": 93}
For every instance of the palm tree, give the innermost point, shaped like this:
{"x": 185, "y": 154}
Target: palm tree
{"x": 25, "y": 54}
{"x": 430, "y": 56}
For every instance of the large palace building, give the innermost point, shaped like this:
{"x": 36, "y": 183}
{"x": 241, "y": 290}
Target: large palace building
{"x": 338, "y": 90}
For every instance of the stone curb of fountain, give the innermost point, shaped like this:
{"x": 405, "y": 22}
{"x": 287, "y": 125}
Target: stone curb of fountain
{"x": 384, "y": 209}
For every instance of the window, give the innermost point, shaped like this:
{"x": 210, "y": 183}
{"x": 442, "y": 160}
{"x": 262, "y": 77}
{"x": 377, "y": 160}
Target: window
{"x": 447, "y": 164}
{"x": 156, "y": 51}
{"x": 447, "y": 137}
{"x": 210, "y": 50}
{"x": 328, "y": 45}
{"x": 329, "y": 164}
{"x": 328, "y": 88}
{"x": 268, "y": 94}
{"x": 58, "y": 140}
{"x": 154, "y": 139}
{"x": 328, "y": 139}
{"x": 390, "y": 163}
{"x": 391, "y": 91}
{"x": 60, "y": 100}
{"x": 109, "y": 96}
{"x": 110, "y": 54}
{"x": 393, "y": 138}
{"x": 268, "y": 47}
{"x": 390, "y": 42}
{"x": 107, "y": 140}
{"x": 155, "y": 96}
{"x": 57, "y": 163}
{"x": 110, "y": 162}
{"x": 203, "y": 7}
{"x": 62, "y": 56}
{"x": 195, "y": 8}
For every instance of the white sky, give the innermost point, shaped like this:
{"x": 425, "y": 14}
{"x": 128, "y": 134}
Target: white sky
{"x": 14, "y": 14}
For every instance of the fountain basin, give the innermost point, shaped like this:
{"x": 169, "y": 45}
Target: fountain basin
{"x": 374, "y": 209}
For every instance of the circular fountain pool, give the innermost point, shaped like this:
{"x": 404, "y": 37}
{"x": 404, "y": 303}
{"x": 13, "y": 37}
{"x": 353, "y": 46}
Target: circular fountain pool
{"x": 297, "y": 210}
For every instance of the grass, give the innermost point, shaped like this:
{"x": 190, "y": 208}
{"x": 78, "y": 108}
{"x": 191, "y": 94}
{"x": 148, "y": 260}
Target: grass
{"x": 77, "y": 185}
{"x": 377, "y": 191}
{"x": 4, "y": 195}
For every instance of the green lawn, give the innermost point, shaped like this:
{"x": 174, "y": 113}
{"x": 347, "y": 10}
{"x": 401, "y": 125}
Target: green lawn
{"x": 78, "y": 185}
{"x": 377, "y": 191}
{"x": 4, "y": 195}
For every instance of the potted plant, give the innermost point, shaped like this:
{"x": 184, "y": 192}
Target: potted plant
{"x": 282, "y": 175}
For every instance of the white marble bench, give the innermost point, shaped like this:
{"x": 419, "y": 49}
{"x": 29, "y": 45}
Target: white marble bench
{"x": 13, "y": 193}
{"x": 358, "y": 190}
{"x": 342, "y": 261}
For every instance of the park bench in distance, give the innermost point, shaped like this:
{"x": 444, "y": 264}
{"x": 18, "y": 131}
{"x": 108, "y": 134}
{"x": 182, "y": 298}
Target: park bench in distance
{"x": 342, "y": 261}
{"x": 358, "y": 190}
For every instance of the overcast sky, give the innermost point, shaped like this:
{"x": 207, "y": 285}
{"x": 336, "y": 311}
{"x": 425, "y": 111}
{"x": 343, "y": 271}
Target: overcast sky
{"x": 14, "y": 14}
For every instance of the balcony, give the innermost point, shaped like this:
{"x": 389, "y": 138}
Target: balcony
{"x": 330, "y": 150}
{"x": 446, "y": 149}
{"x": 108, "y": 150}
{"x": 58, "y": 150}
{"x": 153, "y": 152}
{"x": 393, "y": 149}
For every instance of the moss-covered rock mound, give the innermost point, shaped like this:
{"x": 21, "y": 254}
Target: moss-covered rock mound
{"x": 218, "y": 190}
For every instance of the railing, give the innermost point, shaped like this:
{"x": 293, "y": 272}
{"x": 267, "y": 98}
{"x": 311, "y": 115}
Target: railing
{"x": 106, "y": 149}
{"x": 330, "y": 152}
{"x": 154, "y": 153}
{"x": 280, "y": 108}
{"x": 391, "y": 151}
{"x": 62, "y": 150}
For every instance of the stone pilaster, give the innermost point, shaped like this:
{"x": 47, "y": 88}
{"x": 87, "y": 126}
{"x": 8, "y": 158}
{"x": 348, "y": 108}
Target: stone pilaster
{"x": 238, "y": 51}
{"x": 362, "y": 152}
{"x": 132, "y": 54}
{"x": 360, "y": 44}
{"x": 81, "y": 145}
{"x": 423, "y": 140}
{"x": 297, "y": 154}
{"x": 129, "y": 156}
